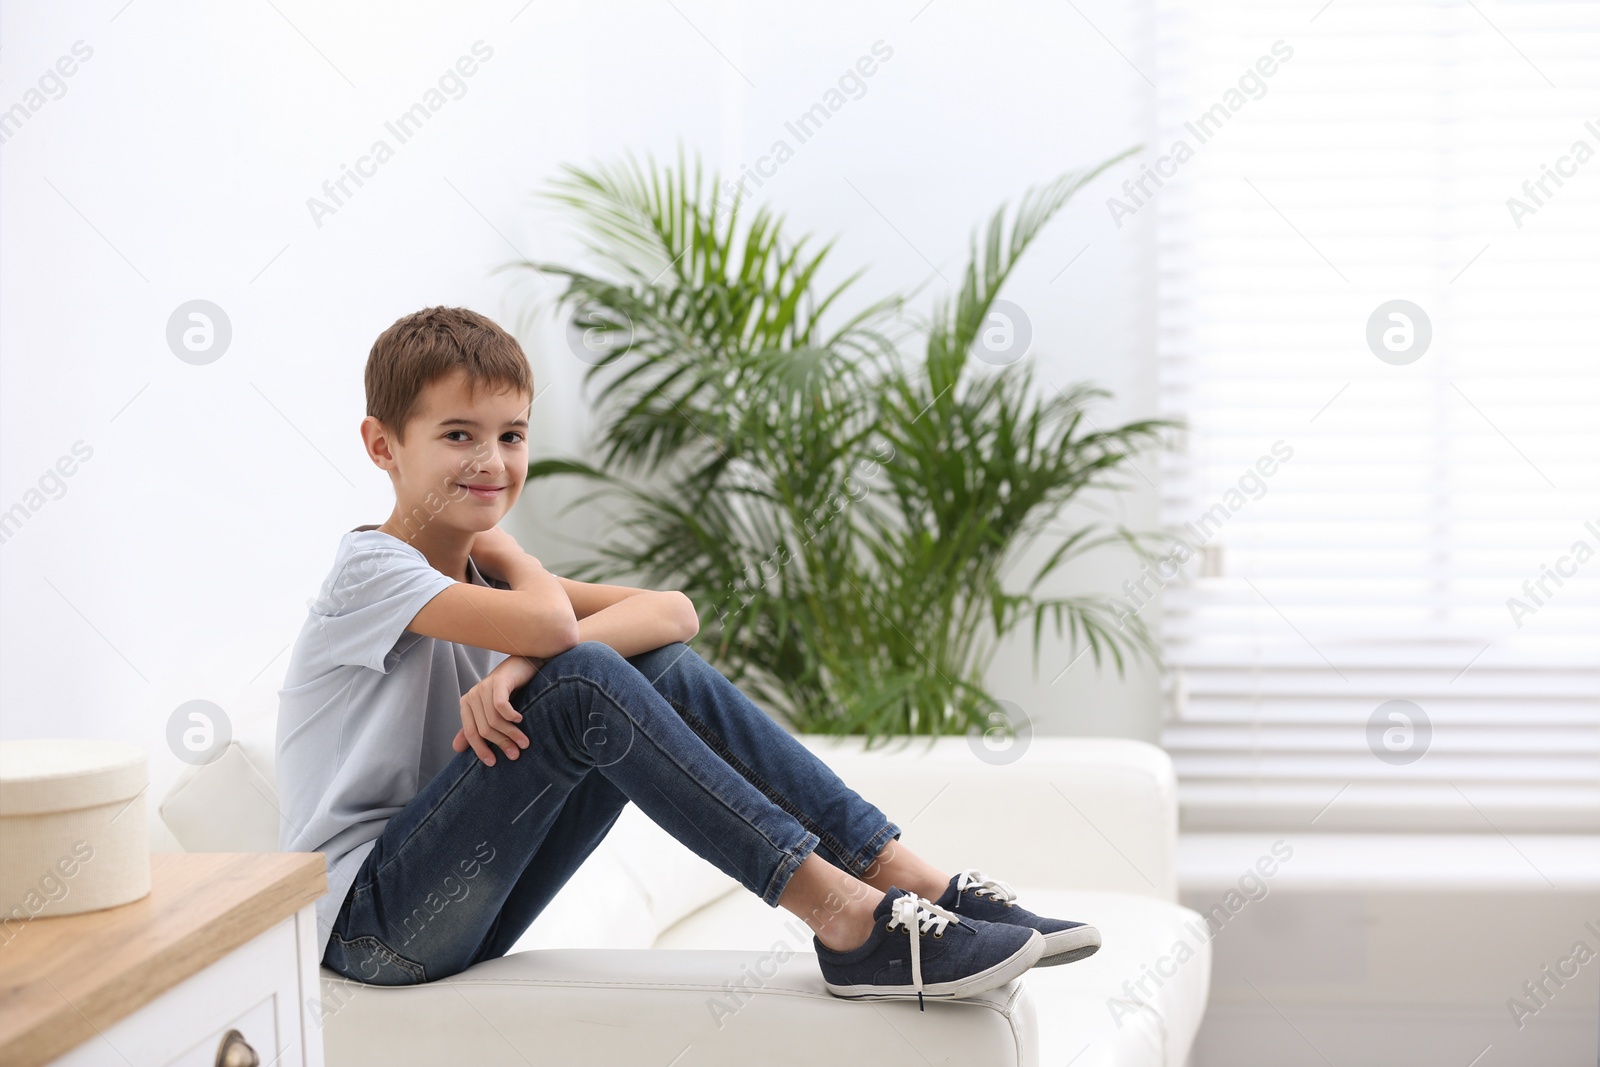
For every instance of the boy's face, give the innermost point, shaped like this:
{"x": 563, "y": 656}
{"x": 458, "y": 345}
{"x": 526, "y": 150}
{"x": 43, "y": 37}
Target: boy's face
{"x": 453, "y": 442}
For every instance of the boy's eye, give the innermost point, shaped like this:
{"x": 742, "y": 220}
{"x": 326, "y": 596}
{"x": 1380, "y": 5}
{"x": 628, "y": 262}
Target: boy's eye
{"x": 509, "y": 433}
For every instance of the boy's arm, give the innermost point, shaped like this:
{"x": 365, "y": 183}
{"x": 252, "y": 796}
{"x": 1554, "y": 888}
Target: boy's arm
{"x": 631, "y": 620}
{"x": 526, "y": 574}
{"x": 589, "y": 597}
{"x": 626, "y": 618}
{"x": 532, "y": 618}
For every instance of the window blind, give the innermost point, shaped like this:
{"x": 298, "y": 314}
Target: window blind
{"x": 1383, "y": 606}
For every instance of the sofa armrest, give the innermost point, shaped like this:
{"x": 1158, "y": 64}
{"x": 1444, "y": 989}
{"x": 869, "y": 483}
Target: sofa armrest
{"x": 1070, "y": 813}
{"x": 599, "y": 1007}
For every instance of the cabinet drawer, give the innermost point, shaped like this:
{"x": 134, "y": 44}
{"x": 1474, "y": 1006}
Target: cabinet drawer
{"x": 255, "y": 989}
{"x": 258, "y": 1027}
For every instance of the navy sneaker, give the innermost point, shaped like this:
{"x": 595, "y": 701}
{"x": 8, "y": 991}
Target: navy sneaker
{"x": 919, "y": 949}
{"x": 974, "y": 896}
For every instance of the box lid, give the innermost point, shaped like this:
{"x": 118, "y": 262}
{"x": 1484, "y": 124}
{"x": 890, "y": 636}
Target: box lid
{"x": 39, "y": 775}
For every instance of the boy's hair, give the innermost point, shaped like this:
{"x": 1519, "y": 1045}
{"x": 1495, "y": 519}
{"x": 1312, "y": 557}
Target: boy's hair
{"x": 430, "y": 344}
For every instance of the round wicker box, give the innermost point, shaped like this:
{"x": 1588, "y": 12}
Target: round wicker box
{"x": 72, "y": 828}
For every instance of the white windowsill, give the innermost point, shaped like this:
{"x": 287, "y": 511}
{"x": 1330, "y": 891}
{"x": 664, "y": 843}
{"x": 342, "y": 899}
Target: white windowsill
{"x": 1459, "y": 862}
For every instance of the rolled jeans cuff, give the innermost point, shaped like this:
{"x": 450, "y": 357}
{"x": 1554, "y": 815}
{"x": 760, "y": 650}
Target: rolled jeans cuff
{"x": 786, "y": 869}
{"x": 862, "y": 861}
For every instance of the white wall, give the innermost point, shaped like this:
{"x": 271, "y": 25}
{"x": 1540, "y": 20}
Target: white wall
{"x": 176, "y": 560}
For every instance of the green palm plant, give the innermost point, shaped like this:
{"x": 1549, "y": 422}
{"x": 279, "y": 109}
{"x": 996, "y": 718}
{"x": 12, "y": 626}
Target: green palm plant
{"x": 842, "y": 514}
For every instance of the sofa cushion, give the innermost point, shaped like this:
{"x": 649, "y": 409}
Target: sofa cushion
{"x": 637, "y": 882}
{"x": 1094, "y": 1010}
{"x": 231, "y": 803}
{"x": 1109, "y": 805}
{"x": 601, "y": 906}
{"x": 677, "y": 881}
{"x": 228, "y": 805}
{"x": 590, "y": 1008}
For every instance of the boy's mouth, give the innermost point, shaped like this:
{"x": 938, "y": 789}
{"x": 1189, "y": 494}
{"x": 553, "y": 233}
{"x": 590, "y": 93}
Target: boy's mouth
{"x": 482, "y": 492}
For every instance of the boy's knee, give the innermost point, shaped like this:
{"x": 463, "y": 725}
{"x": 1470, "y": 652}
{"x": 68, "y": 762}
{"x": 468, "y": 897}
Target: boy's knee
{"x": 585, "y": 654}
{"x": 659, "y": 661}
{"x": 671, "y": 650}
{"x": 586, "y": 659}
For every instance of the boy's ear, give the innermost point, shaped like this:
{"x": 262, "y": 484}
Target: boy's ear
{"x": 375, "y": 436}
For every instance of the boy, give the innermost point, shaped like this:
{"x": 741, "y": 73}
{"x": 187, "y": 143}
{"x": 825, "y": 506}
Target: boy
{"x": 437, "y": 645}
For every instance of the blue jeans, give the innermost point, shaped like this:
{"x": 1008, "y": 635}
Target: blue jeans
{"x": 461, "y": 871}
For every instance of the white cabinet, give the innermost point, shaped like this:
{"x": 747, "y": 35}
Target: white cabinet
{"x": 266, "y": 990}
{"x": 223, "y": 943}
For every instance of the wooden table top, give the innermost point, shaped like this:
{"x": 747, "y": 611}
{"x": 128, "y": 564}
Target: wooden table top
{"x": 62, "y": 979}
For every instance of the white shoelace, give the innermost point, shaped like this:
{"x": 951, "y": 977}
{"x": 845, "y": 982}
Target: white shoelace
{"x": 989, "y": 887}
{"x": 919, "y": 913}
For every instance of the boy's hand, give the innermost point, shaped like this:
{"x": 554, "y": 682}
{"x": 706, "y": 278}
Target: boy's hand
{"x": 487, "y": 714}
{"x": 492, "y": 550}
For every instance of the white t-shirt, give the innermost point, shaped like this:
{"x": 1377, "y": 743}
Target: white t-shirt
{"x": 368, "y": 708}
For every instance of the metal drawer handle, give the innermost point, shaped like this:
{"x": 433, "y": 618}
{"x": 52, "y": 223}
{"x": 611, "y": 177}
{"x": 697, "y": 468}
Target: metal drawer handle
{"x": 235, "y": 1051}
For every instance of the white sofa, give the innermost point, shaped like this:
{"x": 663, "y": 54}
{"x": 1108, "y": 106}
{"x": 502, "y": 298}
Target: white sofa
{"x": 650, "y": 955}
